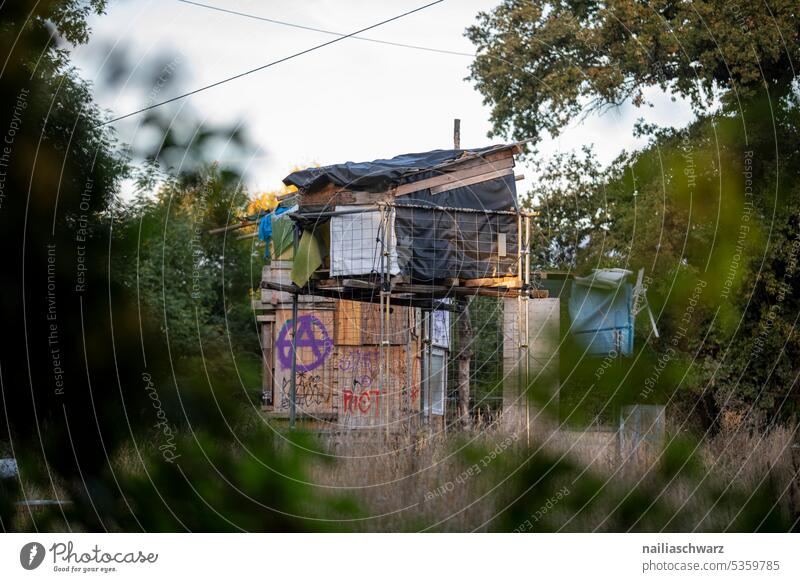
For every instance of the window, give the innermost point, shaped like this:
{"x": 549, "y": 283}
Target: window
{"x": 434, "y": 382}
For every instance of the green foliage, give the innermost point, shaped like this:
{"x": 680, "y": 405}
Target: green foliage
{"x": 129, "y": 338}
{"x": 710, "y": 212}
{"x": 541, "y": 64}
{"x": 196, "y": 284}
{"x": 571, "y": 202}
{"x": 703, "y": 212}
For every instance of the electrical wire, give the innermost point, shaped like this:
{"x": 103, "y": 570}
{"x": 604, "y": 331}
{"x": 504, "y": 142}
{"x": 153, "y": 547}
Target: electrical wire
{"x": 271, "y": 64}
{"x": 323, "y": 31}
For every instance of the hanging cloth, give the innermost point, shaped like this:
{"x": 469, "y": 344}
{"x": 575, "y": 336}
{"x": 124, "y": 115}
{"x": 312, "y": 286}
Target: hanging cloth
{"x": 265, "y": 228}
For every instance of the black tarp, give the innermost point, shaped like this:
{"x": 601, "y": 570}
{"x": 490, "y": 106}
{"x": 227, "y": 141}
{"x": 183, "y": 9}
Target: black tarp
{"x": 379, "y": 175}
{"x": 436, "y": 243}
{"x": 497, "y": 194}
{"x": 454, "y": 234}
{"x": 451, "y": 234}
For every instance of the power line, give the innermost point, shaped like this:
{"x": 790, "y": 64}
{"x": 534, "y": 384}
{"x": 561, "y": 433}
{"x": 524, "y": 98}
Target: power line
{"x": 323, "y": 31}
{"x": 273, "y": 63}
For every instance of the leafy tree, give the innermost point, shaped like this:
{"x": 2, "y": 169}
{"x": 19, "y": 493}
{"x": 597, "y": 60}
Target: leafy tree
{"x": 98, "y": 406}
{"x": 570, "y": 200}
{"x": 542, "y": 63}
{"x": 712, "y": 207}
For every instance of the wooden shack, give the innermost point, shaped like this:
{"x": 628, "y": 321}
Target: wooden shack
{"x": 351, "y": 373}
{"x": 356, "y": 313}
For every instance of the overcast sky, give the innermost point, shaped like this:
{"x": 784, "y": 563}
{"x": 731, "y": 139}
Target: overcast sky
{"x": 353, "y": 100}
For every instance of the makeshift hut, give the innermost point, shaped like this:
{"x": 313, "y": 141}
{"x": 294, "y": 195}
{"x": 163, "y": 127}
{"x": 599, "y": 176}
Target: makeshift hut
{"x": 356, "y": 312}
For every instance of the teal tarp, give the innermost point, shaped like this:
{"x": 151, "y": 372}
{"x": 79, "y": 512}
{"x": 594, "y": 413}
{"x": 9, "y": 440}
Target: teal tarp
{"x": 600, "y": 309}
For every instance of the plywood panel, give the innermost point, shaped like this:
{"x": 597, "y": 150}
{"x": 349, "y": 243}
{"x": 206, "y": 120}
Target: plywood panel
{"x": 315, "y": 380}
{"x": 397, "y": 331}
{"x": 530, "y": 363}
{"x": 369, "y": 399}
{"x": 348, "y": 323}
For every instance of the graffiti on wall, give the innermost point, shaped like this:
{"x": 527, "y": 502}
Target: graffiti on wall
{"x": 311, "y": 391}
{"x": 313, "y": 344}
{"x": 358, "y": 377}
{"x": 358, "y": 373}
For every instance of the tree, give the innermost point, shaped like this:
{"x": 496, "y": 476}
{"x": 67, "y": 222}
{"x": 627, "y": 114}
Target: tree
{"x": 542, "y": 63}
{"x": 709, "y": 211}
{"x": 99, "y": 407}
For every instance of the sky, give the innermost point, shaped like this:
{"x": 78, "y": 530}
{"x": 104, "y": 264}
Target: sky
{"x": 353, "y": 100}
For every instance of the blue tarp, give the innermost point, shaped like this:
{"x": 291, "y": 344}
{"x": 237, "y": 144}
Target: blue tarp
{"x": 265, "y": 227}
{"x": 600, "y": 308}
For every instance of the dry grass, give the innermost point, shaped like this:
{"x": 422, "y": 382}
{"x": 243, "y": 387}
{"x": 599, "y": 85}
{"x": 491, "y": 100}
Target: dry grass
{"x": 393, "y": 480}
{"x": 418, "y": 481}
{"x": 412, "y": 482}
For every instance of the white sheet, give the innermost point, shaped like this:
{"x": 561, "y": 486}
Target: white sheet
{"x": 355, "y": 246}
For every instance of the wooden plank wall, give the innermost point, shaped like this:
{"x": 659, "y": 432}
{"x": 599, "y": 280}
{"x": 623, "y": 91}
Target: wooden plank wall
{"x": 339, "y": 365}
{"x": 357, "y": 365}
{"x": 316, "y": 394}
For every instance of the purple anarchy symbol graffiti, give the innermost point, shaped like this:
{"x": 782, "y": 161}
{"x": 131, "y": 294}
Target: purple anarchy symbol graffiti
{"x": 311, "y": 333}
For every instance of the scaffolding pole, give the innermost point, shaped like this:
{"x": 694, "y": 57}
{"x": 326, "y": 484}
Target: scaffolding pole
{"x": 527, "y": 284}
{"x": 293, "y": 383}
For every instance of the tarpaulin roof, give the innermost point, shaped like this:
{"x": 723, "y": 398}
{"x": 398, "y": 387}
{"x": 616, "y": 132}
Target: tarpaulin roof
{"x": 380, "y": 175}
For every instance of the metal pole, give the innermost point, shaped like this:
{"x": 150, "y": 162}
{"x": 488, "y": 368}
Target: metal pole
{"x": 382, "y": 242}
{"x": 520, "y": 273}
{"x": 429, "y": 360}
{"x": 527, "y": 328}
{"x": 527, "y": 251}
{"x": 293, "y": 384}
{"x": 522, "y": 390}
{"x": 386, "y": 288}
{"x": 527, "y": 376}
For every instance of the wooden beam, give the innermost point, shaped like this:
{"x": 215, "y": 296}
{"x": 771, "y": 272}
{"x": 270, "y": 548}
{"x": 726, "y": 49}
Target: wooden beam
{"x": 455, "y": 181}
{"x": 508, "y": 282}
{"x": 333, "y": 195}
{"x": 267, "y": 363}
{"x": 235, "y": 226}
{"x": 482, "y": 169}
{"x": 360, "y": 284}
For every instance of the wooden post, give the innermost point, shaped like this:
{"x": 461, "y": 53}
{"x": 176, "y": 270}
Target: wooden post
{"x": 465, "y": 340}
{"x": 464, "y": 332}
{"x": 295, "y": 314}
{"x": 268, "y": 359}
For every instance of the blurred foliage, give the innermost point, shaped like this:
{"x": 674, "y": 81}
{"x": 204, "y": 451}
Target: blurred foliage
{"x": 703, "y": 211}
{"x": 549, "y": 492}
{"x": 197, "y": 284}
{"x": 129, "y": 344}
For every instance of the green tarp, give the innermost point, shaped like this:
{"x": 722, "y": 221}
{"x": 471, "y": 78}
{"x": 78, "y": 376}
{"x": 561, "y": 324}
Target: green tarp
{"x": 307, "y": 259}
{"x": 282, "y": 234}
